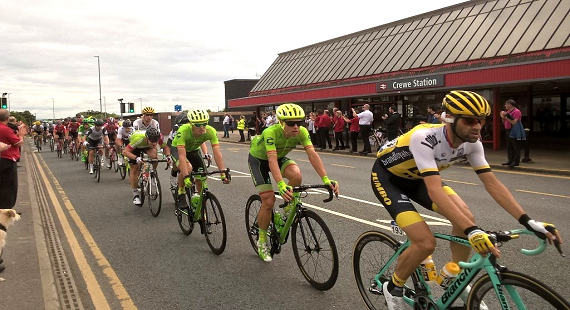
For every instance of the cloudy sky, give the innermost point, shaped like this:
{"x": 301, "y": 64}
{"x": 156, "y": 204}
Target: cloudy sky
{"x": 165, "y": 52}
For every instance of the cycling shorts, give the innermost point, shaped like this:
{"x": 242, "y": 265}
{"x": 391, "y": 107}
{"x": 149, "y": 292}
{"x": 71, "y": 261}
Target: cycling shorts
{"x": 194, "y": 157}
{"x": 396, "y": 195}
{"x": 112, "y": 136}
{"x": 94, "y": 143}
{"x": 137, "y": 153}
{"x": 73, "y": 134}
{"x": 60, "y": 134}
{"x": 259, "y": 169}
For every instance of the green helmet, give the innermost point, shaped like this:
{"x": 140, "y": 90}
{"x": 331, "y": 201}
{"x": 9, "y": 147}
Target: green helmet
{"x": 198, "y": 116}
{"x": 288, "y": 111}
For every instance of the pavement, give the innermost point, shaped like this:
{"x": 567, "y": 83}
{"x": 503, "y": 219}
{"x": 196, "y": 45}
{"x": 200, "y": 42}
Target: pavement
{"x": 29, "y": 282}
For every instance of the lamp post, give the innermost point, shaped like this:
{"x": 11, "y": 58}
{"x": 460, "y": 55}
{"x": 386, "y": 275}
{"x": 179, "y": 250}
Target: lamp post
{"x": 105, "y": 101}
{"x": 53, "y": 108}
{"x": 99, "y": 68}
{"x": 8, "y": 102}
{"x": 141, "y": 104}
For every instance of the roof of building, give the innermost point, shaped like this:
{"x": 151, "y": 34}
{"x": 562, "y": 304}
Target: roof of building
{"x": 470, "y": 34}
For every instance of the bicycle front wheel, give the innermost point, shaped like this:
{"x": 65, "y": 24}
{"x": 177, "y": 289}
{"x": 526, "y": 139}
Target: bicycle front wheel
{"x": 154, "y": 194}
{"x": 123, "y": 169}
{"x": 214, "y": 224}
{"x": 371, "y": 252}
{"x": 252, "y": 208}
{"x": 520, "y": 291}
{"x": 315, "y": 250}
{"x": 97, "y": 166}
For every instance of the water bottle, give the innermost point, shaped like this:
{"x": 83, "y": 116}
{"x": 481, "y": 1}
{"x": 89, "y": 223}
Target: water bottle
{"x": 194, "y": 200}
{"x": 428, "y": 270}
{"x": 279, "y": 223}
{"x": 447, "y": 274}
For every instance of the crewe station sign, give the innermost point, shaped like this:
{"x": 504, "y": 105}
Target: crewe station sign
{"x": 411, "y": 83}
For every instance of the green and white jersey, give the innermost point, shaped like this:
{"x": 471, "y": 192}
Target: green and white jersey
{"x": 184, "y": 137}
{"x": 82, "y": 130}
{"x": 139, "y": 141}
{"x": 273, "y": 141}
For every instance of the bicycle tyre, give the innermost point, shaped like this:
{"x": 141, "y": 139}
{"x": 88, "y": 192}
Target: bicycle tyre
{"x": 51, "y": 144}
{"x": 371, "y": 252}
{"x": 77, "y": 155}
{"x": 114, "y": 162}
{"x": 252, "y": 208}
{"x": 154, "y": 189}
{"x": 142, "y": 188}
{"x": 528, "y": 287}
{"x": 214, "y": 224}
{"x": 311, "y": 248}
{"x": 97, "y": 166}
{"x": 123, "y": 169}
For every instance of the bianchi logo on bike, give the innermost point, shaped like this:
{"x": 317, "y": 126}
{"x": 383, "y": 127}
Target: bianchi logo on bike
{"x": 455, "y": 285}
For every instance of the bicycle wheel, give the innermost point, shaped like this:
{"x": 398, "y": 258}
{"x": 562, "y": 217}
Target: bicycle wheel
{"x": 251, "y": 211}
{"x": 315, "y": 250}
{"x": 114, "y": 162}
{"x": 123, "y": 169}
{"x": 51, "y": 144}
{"x": 154, "y": 194}
{"x": 97, "y": 166}
{"x": 214, "y": 224}
{"x": 142, "y": 189}
{"x": 371, "y": 252}
{"x": 533, "y": 293}
{"x": 77, "y": 155}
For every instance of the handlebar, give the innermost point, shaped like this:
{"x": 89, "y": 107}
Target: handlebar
{"x": 302, "y": 188}
{"x": 209, "y": 160}
{"x": 504, "y": 236}
{"x": 204, "y": 173}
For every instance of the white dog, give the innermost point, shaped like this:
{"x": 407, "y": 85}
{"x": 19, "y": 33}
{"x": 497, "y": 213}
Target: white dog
{"x": 7, "y": 217}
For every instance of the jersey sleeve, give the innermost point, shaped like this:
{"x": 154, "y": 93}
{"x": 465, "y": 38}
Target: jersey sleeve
{"x": 422, "y": 145}
{"x": 304, "y": 138}
{"x": 476, "y": 157}
{"x": 179, "y": 139}
{"x": 268, "y": 137}
{"x": 213, "y": 136}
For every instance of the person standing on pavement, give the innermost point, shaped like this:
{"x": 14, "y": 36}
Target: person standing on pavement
{"x": 8, "y": 158}
{"x": 432, "y": 117}
{"x": 392, "y": 123}
{"x": 338, "y": 128}
{"x": 324, "y": 128}
{"x": 354, "y": 129}
{"x": 226, "y": 123}
{"x": 510, "y": 118}
{"x": 241, "y": 127}
{"x": 365, "y": 120}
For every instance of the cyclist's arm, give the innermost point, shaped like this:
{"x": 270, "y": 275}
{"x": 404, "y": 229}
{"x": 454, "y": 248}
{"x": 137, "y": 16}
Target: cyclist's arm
{"x": 274, "y": 167}
{"x": 182, "y": 159}
{"x": 127, "y": 152}
{"x": 316, "y": 161}
{"x": 501, "y": 194}
{"x": 444, "y": 204}
{"x": 204, "y": 148}
{"x": 218, "y": 157}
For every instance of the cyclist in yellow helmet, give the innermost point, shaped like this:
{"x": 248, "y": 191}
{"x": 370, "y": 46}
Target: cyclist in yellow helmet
{"x": 268, "y": 154}
{"x": 407, "y": 169}
{"x": 146, "y": 121}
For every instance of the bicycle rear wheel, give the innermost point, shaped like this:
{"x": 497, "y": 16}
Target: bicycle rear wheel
{"x": 154, "y": 194}
{"x": 371, "y": 252}
{"x": 252, "y": 208}
{"x": 315, "y": 250}
{"x": 185, "y": 217}
{"x": 123, "y": 169}
{"x": 51, "y": 144}
{"x": 114, "y": 163}
{"x": 533, "y": 293}
{"x": 97, "y": 166}
{"x": 214, "y": 224}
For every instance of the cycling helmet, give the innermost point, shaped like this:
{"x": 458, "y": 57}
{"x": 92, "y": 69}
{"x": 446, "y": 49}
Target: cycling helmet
{"x": 288, "y": 111}
{"x": 152, "y": 134}
{"x": 58, "y": 122}
{"x": 111, "y": 120}
{"x": 462, "y": 102}
{"x": 99, "y": 122}
{"x": 182, "y": 118}
{"x": 37, "y": 123}
{"x": 198, "y": 116}
{"x": 85, "y": 121}
{"x": 127, "y": 123}
{"x": 91, "y": 120}
{"x": 148, "y": 110}
{"x": 73, "y": 119}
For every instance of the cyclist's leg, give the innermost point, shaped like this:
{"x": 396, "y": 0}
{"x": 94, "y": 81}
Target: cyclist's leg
{"x": 134, "y": 175}
{"x": 197, "y": 164}
{"x": 291, "y": 172}
{"x": 152, "y": 153}
{"x": 260, "y": 175}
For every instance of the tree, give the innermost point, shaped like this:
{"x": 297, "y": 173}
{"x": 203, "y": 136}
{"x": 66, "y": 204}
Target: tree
{"x": 25, "y": 116}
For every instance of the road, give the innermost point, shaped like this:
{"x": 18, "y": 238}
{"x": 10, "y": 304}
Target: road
{"x": 121, "y": 256}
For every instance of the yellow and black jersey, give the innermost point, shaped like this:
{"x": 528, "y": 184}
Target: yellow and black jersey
{"x": 425, "y": 151}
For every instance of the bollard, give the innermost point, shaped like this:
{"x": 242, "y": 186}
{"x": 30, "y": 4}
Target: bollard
{"x": 526, "y": 159}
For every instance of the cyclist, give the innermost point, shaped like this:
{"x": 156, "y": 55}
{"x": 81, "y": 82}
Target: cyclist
{"x": 96, "y": 137}
{"x": 407, "y": 168}
{"x": 268, "y": 154}
{"x": 146, "y": 121}
{"x": 38, "y": 130}
{"x": 59, "y": 133}
{"x": 147, "y": 140}
{"x": 189, "y": 138}
{"x": 50, "y": 129}
{"x": 123, "y": 135}
{"x": 72, "y": 130}
{"x": 112, "y": 128}
{"x": 87, "y": 122}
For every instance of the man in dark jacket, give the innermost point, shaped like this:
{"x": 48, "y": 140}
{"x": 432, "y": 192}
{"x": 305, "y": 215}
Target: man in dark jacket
{"x": 392, "y": 123}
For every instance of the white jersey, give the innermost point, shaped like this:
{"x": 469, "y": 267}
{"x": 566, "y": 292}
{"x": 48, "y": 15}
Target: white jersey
{"x": 139, "y": 125}
{"x": 124, "y": 134}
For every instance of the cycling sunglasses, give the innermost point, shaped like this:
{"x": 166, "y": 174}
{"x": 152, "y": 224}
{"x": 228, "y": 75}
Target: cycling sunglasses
{"x": 293, "y": 123}
{"x": 200, "y": 124}
{"x": 472, "y": 121}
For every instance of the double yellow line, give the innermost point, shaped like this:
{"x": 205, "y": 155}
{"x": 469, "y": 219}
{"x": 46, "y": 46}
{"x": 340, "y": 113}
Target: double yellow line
{"x": 93, "y": 286}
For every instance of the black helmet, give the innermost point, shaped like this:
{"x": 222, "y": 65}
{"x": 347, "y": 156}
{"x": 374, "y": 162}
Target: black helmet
{"x": 152, "y": 134}
{"x": 181, "y": 119}
{"x": 99, "y": 122}
{"x": 73, "y": 120}
{"x": 127, "y": 123}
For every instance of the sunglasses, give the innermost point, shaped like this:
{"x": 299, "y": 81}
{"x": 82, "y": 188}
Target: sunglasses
{"x": 200, "y": 124}
{"x": 147, "y": 114}
{"x": 293, "y": 123}
{"x": 472, "y": 121}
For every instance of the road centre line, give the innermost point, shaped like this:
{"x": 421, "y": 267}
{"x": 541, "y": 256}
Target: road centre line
{"x": 97, "y": 296}
{"x": 534, "y": 174}
{"x": 460, "y": 182}
{"x": 540, "y": 193}
{"x": 345, "y": 166}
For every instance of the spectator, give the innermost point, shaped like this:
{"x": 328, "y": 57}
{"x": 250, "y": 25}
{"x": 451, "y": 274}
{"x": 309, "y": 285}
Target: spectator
{"x": 310, "y": 120}
{"x": 354, "y": 129}
{"x": 318, "y": 115}
{"x": 324, "y": 128}
{"x": 8, "y": 158}
{"x": 338, "y": 128}
{"x": 365, "y": 120}
{"x": 232, "y": 123}
{"x": 392, "y": 123}
{"x": 226, "y": 124}
{"x": 269, "y": 120}
{"x": 251, "y": 126}
{"x": 241, "y": 127}
{"x": 432, "y": 117}
{"x": 510, "y": 118}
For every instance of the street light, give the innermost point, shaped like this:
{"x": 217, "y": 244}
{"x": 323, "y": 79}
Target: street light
{"x": 53, "y": 107}
{"x": 99, "y": 67}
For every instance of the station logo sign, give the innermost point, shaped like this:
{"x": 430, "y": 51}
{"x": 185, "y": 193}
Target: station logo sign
{"x": 411, "y": 83}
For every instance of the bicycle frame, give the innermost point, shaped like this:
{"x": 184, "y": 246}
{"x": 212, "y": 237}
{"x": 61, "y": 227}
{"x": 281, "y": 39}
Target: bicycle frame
{"x": 466, "y": 276}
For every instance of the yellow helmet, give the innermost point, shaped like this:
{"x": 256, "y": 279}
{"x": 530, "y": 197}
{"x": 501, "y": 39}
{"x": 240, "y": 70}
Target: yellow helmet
{"x": 463, "y": 102}
{"x": 288, "y": 111}
{"x": 148, "y": 110}
{"x": 37, "y": 123}
{"x": 198, "y": 116}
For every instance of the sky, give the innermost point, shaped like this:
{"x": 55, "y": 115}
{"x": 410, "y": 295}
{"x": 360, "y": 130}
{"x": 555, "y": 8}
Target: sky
{"x": 163, "y": 53}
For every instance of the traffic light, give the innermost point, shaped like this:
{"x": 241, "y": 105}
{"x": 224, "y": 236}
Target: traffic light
{"x": 4, "y": 103}
{"x": 131, "y": 107}
{"x": 122, "y": 107}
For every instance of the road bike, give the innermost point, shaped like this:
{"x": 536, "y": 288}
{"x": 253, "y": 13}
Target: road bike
{"x": 313, "y": 244}
{"x": 51, "y": 143}
{"x": 375, "y": 256}
{"x": 59, "y": 147}
{"x": 38, "y": 142}
{"x": 149, "y": 185}
{"x": 96, "y": 162}
{"x": 378, "y": 138}
{"x": 112, "y": 157}
{"x": 73, "y": 153}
